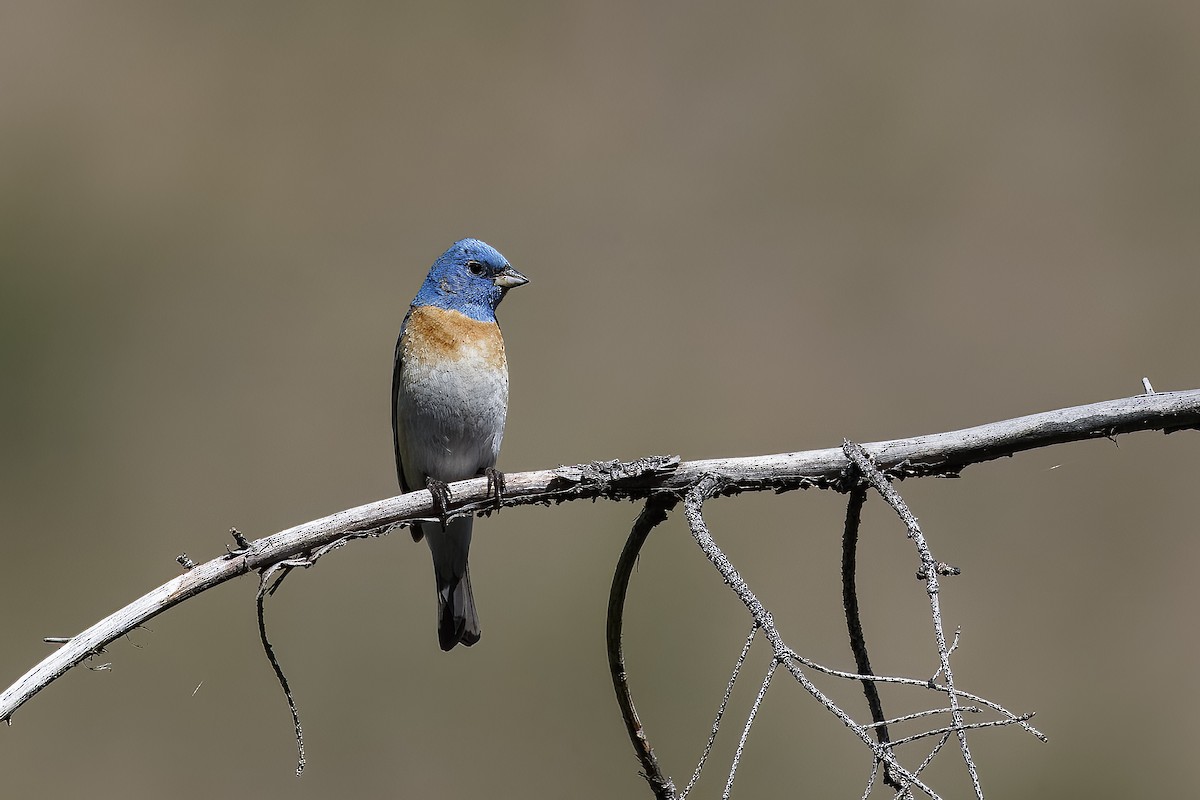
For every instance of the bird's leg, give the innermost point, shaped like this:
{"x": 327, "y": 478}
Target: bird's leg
{"x": 441, "y": 497}
{"x": 495, "y": 483}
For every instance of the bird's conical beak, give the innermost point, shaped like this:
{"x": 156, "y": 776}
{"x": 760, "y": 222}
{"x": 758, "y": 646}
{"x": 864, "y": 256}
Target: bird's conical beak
{"x": 509, "y": 278}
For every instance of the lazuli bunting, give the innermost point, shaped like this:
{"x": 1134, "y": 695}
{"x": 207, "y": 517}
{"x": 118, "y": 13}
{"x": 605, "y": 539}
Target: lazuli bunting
{"x": 449, "y": 401}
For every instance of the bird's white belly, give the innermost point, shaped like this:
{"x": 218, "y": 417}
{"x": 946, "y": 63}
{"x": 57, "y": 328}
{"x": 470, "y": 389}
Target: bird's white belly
{"x": 451, "y": 416}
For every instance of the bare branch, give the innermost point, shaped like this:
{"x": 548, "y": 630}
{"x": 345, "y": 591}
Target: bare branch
{"x": 654, "y": 512}
{"x": 936, "y": 454}
{"x": 858, "y": 641}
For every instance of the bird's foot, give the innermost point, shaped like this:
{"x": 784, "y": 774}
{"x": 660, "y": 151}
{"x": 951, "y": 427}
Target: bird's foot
{"x": 441, "y": 497}
{"x": 495, "y": 485}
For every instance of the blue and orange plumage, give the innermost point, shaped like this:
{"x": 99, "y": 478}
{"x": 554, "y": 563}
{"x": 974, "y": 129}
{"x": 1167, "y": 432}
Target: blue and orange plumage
{"x": 449, "y": 403}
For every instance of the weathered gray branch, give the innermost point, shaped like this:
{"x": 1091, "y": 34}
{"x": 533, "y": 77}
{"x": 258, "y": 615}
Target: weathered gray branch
{"x": 936, "y": 454}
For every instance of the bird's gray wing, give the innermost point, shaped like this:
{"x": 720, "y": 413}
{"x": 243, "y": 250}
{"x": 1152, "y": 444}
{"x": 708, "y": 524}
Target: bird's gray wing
{"x": 397, "y": 367}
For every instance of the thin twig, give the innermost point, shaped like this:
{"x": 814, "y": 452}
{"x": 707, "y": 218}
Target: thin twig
{"x": 924, "y": 683}
{"x": 741, "y": 746}
{"x": 871, "y": 779}
{"x": 937, "y": 748}
{"x": 862, "y": 461}
{"x": 929, "y": 712}
{"x": 283, "y": 681}
{"x": 712, "y": 736}
{"x": 654, "y": 512}
{"x": 966, "y": 726}
{"x": 267, "y": 587}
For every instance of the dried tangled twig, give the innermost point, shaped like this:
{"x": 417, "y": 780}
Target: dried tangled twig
{"x": 882, "y": 747}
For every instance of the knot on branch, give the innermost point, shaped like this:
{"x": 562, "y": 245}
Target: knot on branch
{"x": 710, "y": 485}
{"x": 608, "y": 477}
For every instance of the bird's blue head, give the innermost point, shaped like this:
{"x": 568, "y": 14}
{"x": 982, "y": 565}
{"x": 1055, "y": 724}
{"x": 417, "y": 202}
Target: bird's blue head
{"x": 471, "y": 277}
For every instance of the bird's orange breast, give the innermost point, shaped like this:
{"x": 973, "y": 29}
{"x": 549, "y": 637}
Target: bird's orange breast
{"x": 438, "y": 334}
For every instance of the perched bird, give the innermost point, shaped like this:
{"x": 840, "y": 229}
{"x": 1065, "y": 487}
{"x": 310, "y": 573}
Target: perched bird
{"x": 449, "y": 401}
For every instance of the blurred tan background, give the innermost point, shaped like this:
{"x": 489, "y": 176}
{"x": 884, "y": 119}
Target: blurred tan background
{"x": 749, "y": 228}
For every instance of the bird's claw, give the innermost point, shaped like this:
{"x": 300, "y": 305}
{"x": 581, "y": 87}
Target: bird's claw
{"x": 495, "y": 485}
{"x": 441, "y": 497}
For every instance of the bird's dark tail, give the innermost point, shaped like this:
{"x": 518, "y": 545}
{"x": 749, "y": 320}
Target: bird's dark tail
{"x": 457, "y": 619}
{"x": 450, "y": 544}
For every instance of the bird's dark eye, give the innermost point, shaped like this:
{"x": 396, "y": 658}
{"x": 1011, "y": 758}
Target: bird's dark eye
{"x": 476, "y": 267}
